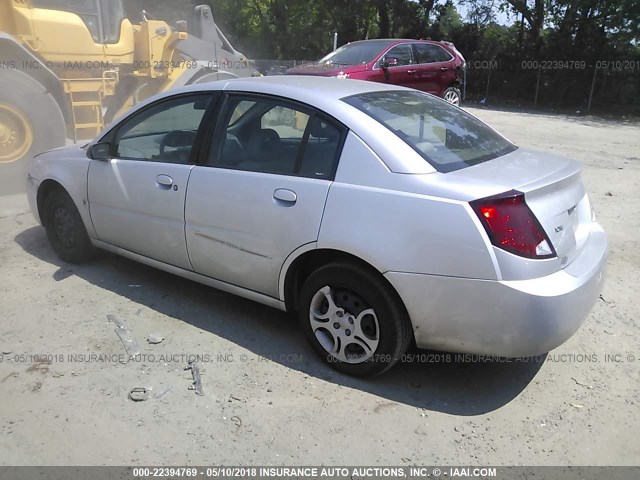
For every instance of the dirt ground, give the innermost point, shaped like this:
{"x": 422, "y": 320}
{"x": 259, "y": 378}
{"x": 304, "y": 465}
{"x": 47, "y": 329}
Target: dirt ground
{"x": 268, "y": 400}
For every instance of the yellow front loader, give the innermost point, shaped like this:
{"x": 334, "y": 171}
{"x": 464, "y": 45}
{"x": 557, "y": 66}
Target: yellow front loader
{"x": 68, "y": 67}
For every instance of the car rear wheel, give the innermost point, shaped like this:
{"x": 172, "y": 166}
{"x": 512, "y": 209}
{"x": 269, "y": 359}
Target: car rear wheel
{"x": 354, "y": 319}
{"x": 65, "y": 228}
{"x": 453, "y": 96}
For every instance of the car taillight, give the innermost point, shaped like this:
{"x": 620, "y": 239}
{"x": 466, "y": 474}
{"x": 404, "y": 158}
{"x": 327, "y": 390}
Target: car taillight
{"x": 512, "y": 226}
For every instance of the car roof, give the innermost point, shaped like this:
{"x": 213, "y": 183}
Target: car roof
{"x": 301, "y": 86}
{"x": 313, "y": 90}
{"x": 324, "y": 94}
{"x": 387, "y": 42}
{"x": 394, "y": 40}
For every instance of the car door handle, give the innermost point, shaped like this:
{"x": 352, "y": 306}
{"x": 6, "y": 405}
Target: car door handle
{"x": 444, "y": 69}
{"x": 285, "y": 197}
{"x": 164, "y": 181}
{"x": 411, "y": 72}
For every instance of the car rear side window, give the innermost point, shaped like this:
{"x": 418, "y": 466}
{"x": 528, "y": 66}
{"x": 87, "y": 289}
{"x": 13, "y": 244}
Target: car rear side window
{"x": 267, "y": 136}
{"x": 429, "y": 53}
{"x": 444, "y": 135}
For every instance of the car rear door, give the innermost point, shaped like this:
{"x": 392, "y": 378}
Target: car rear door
{"x": 137, "y": 197}
{"x": 259, "y": 192}
{"x": 435, "y": 68}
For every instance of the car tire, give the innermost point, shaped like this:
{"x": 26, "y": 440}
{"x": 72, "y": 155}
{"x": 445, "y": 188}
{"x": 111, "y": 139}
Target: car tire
{"x": 65, "y": 229}
{"x": 30, "y": 123}
{"x": 453, "y": 96}
{"x": 354, "y": 319}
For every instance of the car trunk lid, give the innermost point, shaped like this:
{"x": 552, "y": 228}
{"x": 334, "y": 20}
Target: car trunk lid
{"x": 553, "y": 190}
{"x": 562, "y": 207}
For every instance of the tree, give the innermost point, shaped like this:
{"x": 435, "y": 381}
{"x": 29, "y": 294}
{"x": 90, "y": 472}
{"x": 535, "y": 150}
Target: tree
{"x": 534, "y": 16}
{"x": 448, "y": 22}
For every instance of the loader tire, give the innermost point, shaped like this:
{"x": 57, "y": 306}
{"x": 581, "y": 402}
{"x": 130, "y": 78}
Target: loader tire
{"x": 31, "y": 122}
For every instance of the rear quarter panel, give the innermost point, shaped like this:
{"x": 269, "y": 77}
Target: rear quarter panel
{"x": 372, "y": 213}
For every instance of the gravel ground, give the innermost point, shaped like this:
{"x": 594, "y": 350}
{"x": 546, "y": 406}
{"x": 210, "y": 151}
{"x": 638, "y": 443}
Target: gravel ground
{"x": 268, "y": 400}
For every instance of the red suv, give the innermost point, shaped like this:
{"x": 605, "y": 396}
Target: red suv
{"x": 433, "y": 67}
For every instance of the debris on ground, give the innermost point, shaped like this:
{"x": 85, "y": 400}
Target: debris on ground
{"x": 197, "y": 380}
{"x": 582, "y": 384}
{"x": 155, "y": 339}
{"x": 126, "y": 336}
{"x": 163, "y": 392}
{"x": 140, "y": 394}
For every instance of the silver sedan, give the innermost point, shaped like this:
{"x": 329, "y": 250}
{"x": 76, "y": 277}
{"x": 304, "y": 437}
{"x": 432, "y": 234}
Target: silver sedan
{"x": 380, "y": 214}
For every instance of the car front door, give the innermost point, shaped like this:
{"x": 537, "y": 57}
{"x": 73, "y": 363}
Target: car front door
{"x": 401, "y": 68}
{"x": 259, "y": 193}
{"x": 435, "y": 69}
{"x": 137, "y": 197}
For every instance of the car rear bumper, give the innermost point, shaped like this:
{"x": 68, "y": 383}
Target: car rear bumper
{"x": 504, "y": 318}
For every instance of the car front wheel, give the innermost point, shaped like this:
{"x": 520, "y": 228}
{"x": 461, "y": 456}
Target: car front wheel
{"x": 354, "y": 319}
{"x": 65, "y": 229}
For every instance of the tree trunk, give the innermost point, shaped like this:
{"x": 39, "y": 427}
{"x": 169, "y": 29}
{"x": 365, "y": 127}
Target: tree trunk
{"x": 384, "y": 22}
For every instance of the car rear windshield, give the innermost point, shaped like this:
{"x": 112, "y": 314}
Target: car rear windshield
{"x": 355, "y": 53}
{"x": 444, "y": 135}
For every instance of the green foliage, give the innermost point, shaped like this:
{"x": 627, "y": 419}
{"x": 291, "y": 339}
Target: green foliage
{"x": 304, "y": 29}
{"x": 507, "y": 31}
{"x": 297, "y": 29}
{"x": 448, "y": 22}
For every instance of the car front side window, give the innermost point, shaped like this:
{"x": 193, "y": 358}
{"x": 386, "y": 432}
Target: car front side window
{"x": 164, "y": 132}
{"x": 402, "y": 53}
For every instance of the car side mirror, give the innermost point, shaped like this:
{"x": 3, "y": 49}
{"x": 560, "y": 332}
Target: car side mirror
{"x": 389, "y": 62}
{"x": 99, "y": 151}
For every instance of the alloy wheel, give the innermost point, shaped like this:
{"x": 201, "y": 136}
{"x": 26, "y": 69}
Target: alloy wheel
{"x": 345, "y": 326}
{"x": 452, "y": 97}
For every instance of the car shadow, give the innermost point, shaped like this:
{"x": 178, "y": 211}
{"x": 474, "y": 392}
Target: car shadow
{"x": 432, "y": 383}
